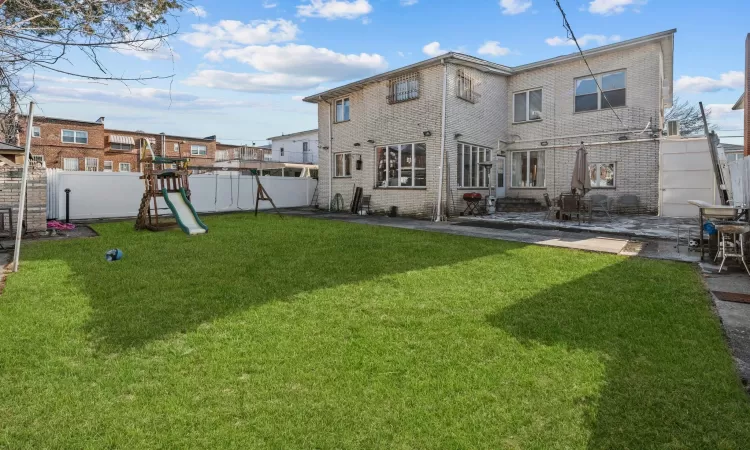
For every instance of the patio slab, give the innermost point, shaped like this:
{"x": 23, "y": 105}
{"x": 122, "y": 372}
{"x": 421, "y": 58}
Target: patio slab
{"x": 651, "y": 227}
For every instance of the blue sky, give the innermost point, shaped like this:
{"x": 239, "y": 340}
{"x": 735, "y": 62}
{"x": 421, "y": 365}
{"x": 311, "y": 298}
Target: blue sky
{"x": 240, "y": 67}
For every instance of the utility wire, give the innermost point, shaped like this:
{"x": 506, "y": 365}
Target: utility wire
{"x": 572, "y": 35}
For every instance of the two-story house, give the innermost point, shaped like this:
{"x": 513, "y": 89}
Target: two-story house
{"x": 78, "y": 145}
{"x": 300, "y": 147}
{"x": 455, "y": 124}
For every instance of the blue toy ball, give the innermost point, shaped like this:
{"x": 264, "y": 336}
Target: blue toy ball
{"x": 709, "y": 228}
{"x": 113, "y": 255}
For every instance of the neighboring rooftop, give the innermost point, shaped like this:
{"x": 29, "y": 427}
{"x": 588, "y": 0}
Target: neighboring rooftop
{"x": 740, "y": 103}
{"x": 666, "y": 37}
{"x": 298, "y": 133}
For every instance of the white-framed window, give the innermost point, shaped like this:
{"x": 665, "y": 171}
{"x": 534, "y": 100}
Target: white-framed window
{"x": 342, "y": 110}
{"x": 70, "y": 164}
{"x": 37, "y": 159}
{"x": 75, "y": 136}
{"x": 734, "y": 157}
{"x": 124, "y": 167}
{"x": 465, "y": 86}
{"x": 108, "y": 166}
{"x": 402, "y": 165}
{"x": 92, "y": 164}
{"x": 123, "y": 147}
{"x": 198, "y": 150}
{"x": 176, "y": 147}
{"x": 305, "y": 147}
{"x": 281, "y": 151}
{"x": 602, "y": 175}
{"x": 588, "y": 97}
{"x": 527, "y": 105}
{"x": 527, "y": 169}
{"x": 36, "y": 132}
{"x": 221, "y": 155}
{"x": 470, "y": 172}
{"x": 343, "y": 166}
{"x": 403, "y": 88}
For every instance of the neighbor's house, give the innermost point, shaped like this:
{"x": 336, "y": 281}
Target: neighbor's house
{"x": 300, "y": 147}
{"x": 78, "y": 145}
{"x": 733, "y": 152}
{"x": 385, "y": 133}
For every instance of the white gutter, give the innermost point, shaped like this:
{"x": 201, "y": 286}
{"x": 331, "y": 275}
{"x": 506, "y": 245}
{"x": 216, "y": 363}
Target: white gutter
{"x": 439, "y": 214}
{"x": 330, "y": 153}
{"x": 24, "y": 181}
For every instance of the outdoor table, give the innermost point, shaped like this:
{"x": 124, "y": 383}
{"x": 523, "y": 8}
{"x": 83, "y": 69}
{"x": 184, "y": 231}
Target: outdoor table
{"x": 708, "y": 211}
{"x": 729, "y": 249}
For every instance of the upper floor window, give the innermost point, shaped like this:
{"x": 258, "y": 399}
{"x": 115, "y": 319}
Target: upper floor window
{"x": 527, "y": 106}
{"x": 75, "y": 136}
{"x": 342, "y": 110}
{"x": 119, "y": 146}
{"x": 176, "y": 147}
{"x": 221, "y": 155}
{"x": 281, "y": 151}
{"x": 403, "y": 88}
{"x": 305, "y": 147}
{"x": 588, "y": 97}
{"x": 36, "y": 132}
{"x": 465, "y": 87}
{"x": 198, "y": 150}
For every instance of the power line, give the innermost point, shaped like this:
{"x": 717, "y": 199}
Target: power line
{"x": 572, "y": 35}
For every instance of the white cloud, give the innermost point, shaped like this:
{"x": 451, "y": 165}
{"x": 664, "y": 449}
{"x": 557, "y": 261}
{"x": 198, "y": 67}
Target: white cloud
{"x": 197, "y": 11}
{"x": 335, "y": 9}
{"x": 584, "y": 41}
{"x": 233, "y": 32}
{"x": 298, "y": 98}
{"x": 608, "y": 7}
{"x": 433, "y": 49}
{"x": 304, "y": 61}
{"x": 729, "y": 80}
{"x": 409, "y": 2}
{"x": 150, "y": 98}
{"x": 148, "y": 50}
{"x": 269, "y": 4}
{"x": 493, "y": 48}
{"x": 252, "y": 82}
{"x": 513, "y": 7}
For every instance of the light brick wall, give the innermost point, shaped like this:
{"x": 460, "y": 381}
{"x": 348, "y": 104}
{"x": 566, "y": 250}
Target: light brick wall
{"x": 36, "y": 197}
{"x": 637, "y": 163}
{"x": 489, "y": 121}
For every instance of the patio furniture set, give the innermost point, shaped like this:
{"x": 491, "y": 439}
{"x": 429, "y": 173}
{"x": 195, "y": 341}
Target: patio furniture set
{"x": 730, "y": 230}
{"x": 569, "y": 206}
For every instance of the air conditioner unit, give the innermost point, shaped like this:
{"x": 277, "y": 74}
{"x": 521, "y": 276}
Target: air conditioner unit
{"x": 673, "y": 128}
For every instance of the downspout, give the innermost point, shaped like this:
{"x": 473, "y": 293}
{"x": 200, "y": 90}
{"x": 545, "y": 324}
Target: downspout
{"x": 330, "y": 153}
{"x": 439, "y": 214}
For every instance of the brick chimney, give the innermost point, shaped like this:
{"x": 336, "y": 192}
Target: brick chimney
{"x": 747, "y": 95}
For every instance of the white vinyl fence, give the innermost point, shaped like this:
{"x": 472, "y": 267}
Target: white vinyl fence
{"x": 739, "y": 171}
{"x": 100, "y": 195}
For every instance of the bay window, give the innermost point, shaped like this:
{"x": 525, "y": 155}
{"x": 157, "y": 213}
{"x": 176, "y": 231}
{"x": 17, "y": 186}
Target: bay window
{"x": 469, "y": 171}
{"x": 613, "y": 91}
{"x": 402, "y": 165}
{"x": 527, "y": 106}
{"x": 527, "y": 169}
{"x": 602, "y": 175}
{"x": 343, "y": 167}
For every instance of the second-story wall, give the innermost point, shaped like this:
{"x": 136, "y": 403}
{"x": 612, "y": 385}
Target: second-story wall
{"x": 296, "y": 148}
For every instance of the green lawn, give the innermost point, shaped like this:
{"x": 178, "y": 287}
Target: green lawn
{"x": 318, "y": 334}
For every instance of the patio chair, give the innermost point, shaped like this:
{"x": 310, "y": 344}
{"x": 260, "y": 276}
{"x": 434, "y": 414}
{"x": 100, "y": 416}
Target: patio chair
{"x": 570, "y": 206}
{"x": 628, "y": 203}
{"x": 364, "y": 206}
{"x": 550, "y": 207}
{"x": 599, "y": 203}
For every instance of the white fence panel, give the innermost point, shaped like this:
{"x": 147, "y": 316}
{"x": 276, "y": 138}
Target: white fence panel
{"x": 740, "y": 174}
{"x": 101, "y": 195}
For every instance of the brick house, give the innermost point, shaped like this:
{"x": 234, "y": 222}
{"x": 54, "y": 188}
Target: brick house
{"x": 386, "y": 133}
{"x": 82, "y": 145}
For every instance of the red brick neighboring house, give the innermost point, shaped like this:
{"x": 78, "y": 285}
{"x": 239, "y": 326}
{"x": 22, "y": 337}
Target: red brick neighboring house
{"x": 81, "y": 145}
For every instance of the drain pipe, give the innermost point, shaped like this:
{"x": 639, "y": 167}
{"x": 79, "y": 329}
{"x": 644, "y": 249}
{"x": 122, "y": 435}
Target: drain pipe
{"x": 439, "y": 214}
{"x": 330, "y": 152}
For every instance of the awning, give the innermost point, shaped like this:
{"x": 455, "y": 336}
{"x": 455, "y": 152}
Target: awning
{"x": 116, "y": 139}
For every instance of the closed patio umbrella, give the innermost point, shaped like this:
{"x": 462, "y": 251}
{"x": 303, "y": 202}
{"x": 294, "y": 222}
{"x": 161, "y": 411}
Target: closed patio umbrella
{"x": 581, "y": 177}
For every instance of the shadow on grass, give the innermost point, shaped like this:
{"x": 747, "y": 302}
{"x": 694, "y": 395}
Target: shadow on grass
{"x": 670, "y": 380}
{"x": 170, "y": 283}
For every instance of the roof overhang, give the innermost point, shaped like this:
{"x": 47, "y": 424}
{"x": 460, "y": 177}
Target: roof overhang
{"x": 298, "y": 133}
{"x": 740, "y": 105}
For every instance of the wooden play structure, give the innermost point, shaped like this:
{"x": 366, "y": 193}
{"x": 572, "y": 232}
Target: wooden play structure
{"x": 166, "y": 178}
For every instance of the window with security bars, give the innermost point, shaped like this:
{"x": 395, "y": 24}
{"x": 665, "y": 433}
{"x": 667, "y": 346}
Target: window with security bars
{"x": 403, "y": 88}
{"x": 465, "y": 87}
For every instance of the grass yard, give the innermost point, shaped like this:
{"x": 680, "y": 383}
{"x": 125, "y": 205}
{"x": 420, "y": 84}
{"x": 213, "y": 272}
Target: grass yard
{"x": 304, "y": 333}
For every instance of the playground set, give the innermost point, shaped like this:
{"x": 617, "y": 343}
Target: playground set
{"x": 166, "y": 178}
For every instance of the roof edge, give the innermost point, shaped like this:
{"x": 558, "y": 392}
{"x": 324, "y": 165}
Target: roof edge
{"x": 297, "y": 133}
